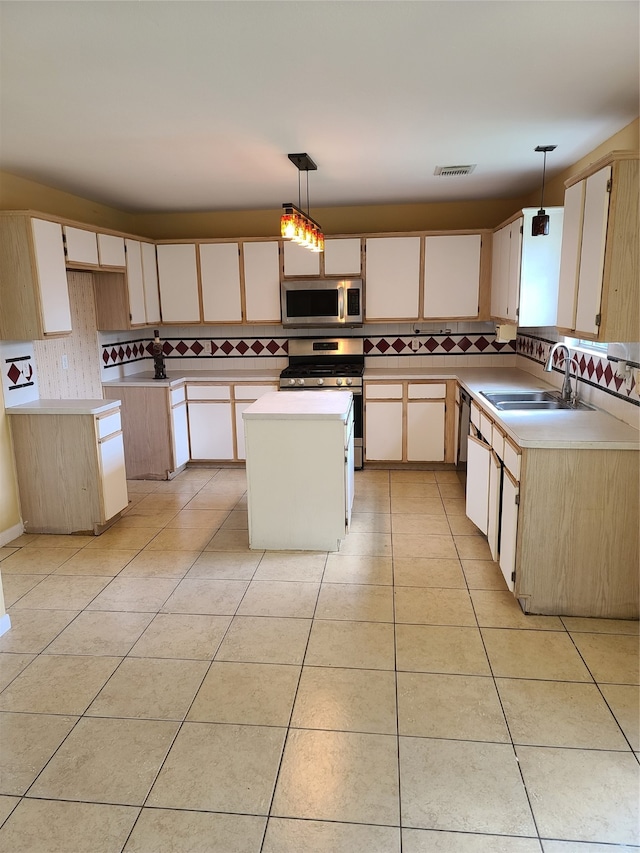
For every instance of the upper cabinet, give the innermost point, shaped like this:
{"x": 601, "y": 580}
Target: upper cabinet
{"x": 81, "y": 247}
{"x": 526, "y": 269}
{"x": 34, "y": 298}
{"x": 300, "y": 261}
{"x": 599, "y": 273}
{"x": 178, "y": 282}
{"x": 343, "y": 256}
{"x": 262, "y": 281}
{"x": 220, "y": 278}
{"x": 111, "y": 251}
{"x": 392, "y": 278}
{"x": 452, "y": 276}
{"x": 125, "y": 300}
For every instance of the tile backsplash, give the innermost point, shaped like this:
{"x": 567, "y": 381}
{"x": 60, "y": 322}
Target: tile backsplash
{"x": 19, "y": 376}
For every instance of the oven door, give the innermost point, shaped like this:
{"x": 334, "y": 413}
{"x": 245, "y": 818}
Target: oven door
{"x": 321, "y": 303}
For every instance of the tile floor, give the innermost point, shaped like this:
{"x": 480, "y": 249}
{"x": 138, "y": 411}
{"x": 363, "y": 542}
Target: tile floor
{"x": 163, "y": 688}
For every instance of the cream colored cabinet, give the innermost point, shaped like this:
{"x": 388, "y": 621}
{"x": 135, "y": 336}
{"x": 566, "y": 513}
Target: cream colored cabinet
{"x": 478, "y": 470}
{"x": 300, "y": 261}
{"x": 34, "y": 298}
{"x": 392, "y": 270}
{"x": 129, "y": 299}
{"x": 81, "y": 247}
{"x": 179, "y": 428}
{"x": 343, "y": 256}
{"x": 150, "y": 279}
{"x": 220, "y": 282}
{"x": 79, "y": 455}
{"x": 425, "y": 421}
{"x": 178, "y": 282}
{"x": 210, "y": 421}
{"x": 111, "y": 251}
{"x": 599, "y": 273}
{"x": 135, "y": 283}
{"x": 243, "y": 396}
{"x": 261, "y": 281}
{"x": 383, "y": 415}
{"x": 452, "y": 276}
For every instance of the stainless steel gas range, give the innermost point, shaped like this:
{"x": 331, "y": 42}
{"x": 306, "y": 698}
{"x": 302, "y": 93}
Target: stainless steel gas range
{"x": 328, "y": 364}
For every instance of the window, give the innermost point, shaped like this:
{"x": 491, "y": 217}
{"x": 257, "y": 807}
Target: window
{"x": 592, "y": 347}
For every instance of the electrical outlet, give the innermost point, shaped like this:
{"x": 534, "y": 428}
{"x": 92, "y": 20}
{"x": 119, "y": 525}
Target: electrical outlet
{"x": 415, "y": 344}
{"x": 65, "y": 362}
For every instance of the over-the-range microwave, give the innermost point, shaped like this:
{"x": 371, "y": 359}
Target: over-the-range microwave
{"x": 322, "y": 302}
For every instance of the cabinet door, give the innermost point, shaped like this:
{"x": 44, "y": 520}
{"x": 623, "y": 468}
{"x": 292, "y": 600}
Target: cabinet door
{"x": 135, "y": 283}
{"x": 425, "y": 431}
{"x": 452, "y": 276}
{"x": 178, "y": 282}
{"x": 220, "y": 277}
{"x": 150, "y": 279}
{"x": 540, "y": 270}
{"x": 52, "y": 276}
{"x": 111, "y": 250}
{"x": 509, "y": 528}
{"x": 513, "y": 280}
{"x": 392, "y": 278}
{"x": 238, "y": 409}
{"x": 210, "y": 431}
{"x": 298, "y": 260}
{"x": 383, "y": 431}
{"x": 179, "y": 435}
{"x": 594, "y": 237}
{"x": 495, "y": 495}
{"x": 113, "y": 478}
{"x": 570, "y": 255}
{"x": 500, "y": 273}
{"x": 81, "y": 246}
{"x": 343, "y": 257}
{"x": 262, "y": 282}
{"x": 478, "y": 466}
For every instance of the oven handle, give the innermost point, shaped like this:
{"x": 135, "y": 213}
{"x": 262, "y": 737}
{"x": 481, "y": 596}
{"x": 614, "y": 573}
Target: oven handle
{"x": 341, "y": 303}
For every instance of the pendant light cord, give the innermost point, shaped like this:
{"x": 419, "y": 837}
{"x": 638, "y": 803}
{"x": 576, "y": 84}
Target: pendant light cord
{"x": 544, "y": 169}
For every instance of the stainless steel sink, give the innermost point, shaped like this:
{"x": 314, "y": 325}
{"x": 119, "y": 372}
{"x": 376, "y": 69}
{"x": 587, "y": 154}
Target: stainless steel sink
{"x": 532, "y": 401}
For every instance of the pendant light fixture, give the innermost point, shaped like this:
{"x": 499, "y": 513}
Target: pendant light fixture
{"x": 295, "y": 224}
{"x": 540, "y": 223}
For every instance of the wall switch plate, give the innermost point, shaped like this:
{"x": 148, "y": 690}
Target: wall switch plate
{"x": 65, "y": 362}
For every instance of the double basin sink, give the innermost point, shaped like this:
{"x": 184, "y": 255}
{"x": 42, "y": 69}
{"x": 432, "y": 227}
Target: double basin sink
{"x": 532, "y": 401}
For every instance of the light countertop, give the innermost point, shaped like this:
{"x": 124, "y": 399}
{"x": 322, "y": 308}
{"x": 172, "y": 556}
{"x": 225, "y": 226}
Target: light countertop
{"x": 300, "y": 405}
{"x": 176, "y": 377}
{"x": 63, "y": 407}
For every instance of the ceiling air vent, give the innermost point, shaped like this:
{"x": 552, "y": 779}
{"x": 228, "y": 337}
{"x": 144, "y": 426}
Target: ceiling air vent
{"x": 454, "y": 171}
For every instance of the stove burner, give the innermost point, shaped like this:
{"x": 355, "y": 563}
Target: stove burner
{"x": 296, "y": 370}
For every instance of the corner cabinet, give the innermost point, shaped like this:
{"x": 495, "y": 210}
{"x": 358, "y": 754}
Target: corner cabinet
{"x": 599, "y": 297}
{"x": 34, "y": 298}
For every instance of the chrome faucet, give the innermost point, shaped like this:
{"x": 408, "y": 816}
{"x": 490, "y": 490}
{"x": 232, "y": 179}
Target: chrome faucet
{"x": 568, "y": 394}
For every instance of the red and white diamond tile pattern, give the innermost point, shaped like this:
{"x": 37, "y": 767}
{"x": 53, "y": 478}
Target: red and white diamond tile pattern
{"x": 19, "y": 378}
{"x": 598, "y": 371}
{"x": 437, "y": 345}
{"x": 113, "y": 354}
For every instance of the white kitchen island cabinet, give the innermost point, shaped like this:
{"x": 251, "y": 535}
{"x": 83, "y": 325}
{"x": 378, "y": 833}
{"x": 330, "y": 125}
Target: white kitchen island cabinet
{"x": 300, "y": 470}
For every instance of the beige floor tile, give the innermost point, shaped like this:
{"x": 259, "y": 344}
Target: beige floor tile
{"x": 259, "y": 694}
{"x": 217, "y": 767}
{"x": 624, "y": 701}
{"x": 584, "y": 847}
{"x": 59, "y": 540}
{"x": 181, "y": 539}
{"x": 478, "y": 787}
{"x": 143, "y": 595}
{"x": 137, "y": 517}
{"x": 500, "y": 609}
{"x": 100, "y": 633}
{"x": 237, "y": 519}
{"x": 152, "y": 689}
{"x": 472, "y": 548}
{"x": 548, "y": 655}
{"x": 483, "y": 574}
{"x": 293, "y": 836}
{"x": 421, "y": 506}
{"x": 447, "y": 477}
{"x": 361, "y": 645}
{"x": 420, "y": 525}
{"x": 226, "y": 565}
{"x": 7, "y": 805}
{"x": 611, "y": 658}
{"x": 107, "y": 761}
{"x": 370, "y": 522}
{"x": 212, "y": 500}
{"x": 459, "y": 707}
{"x": 436, "y": 841}
{"x": 210, "y": 519}
{"x": 11, "y": 665}
{"x": 58, "y": 684}
{"x": 455, "y": 506}
{"x": 166, "y": 501}
{"x": 195, "y": 832}
{"x": 371, "y": 503}
{"x": 366, "y": 545}
{"x": 201, "y": 595}
{"x": 408, "y": 476}
{"x": 124, "y": 540}
{"x": 580, "y": 624}
{"x": 142, "y": 487}
{"x": 182, "y": 636}
{"x": 15, "y": 586}
{"x": 279, "y": 598}
{"x": 355, "y": 700}
{"x": 364, "y": 791}
{"x": 462, "y": 526}
{"x": 36, "y": 561}
{"x": 559, "y": 713}
{"x": 32, "y": 630}
{"x": 432, "y": 606}
{"x": 22, "y": 540}
{"x": 342, "y": 568}
{"x": 160, "y": 564}
{"x": 37, "y": 826}
{"x": 408, "y": 489}
{"x": 264, "y": 639}
{"x": 441, "y": 648}
{"x": 451, "y": 490}
{"x": 97, "y": 562}
{"x": 427, "y": 571}
{"x": 583, "y": 795}
{"x": 291, "y": 566}
{"x": 6, "y": 552}
{"x": 355, "y": 602}
{"x": 61, "y": 591}
{"x": 27, "y": 742}
{"x": 229, "y": 540}
{"x": 411, "y": 546}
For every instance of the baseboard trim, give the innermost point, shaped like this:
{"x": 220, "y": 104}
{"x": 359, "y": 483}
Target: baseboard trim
{"x": 11, "y": 534}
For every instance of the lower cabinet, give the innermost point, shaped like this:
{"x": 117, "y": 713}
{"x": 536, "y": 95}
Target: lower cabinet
{"x": 71, "y": 470}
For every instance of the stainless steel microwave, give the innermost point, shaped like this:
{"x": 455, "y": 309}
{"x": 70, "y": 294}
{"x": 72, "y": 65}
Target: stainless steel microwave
{"x": 322, "y": 302}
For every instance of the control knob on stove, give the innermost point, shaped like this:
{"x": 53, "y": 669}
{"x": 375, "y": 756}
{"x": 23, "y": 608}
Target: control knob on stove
{"x": 339, "y": 380}
{"x": 320, "y": 381}
{"x": 349, "y": 381}
{"x": 300, "y": 381}
{"x": 292, "y": 382}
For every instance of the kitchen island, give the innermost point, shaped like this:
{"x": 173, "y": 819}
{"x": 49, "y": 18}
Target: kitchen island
{"x": 300, "y": 470}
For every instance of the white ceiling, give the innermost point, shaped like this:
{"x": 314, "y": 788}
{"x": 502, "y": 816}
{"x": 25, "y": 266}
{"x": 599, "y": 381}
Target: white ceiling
{"x": 195, "y": 105}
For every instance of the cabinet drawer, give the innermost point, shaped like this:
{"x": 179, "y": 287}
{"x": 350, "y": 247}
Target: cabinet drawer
{"x": 427, "y": 391}
{"x": 475, "y": 414}
{"x": 178, "y": 395}
{"x": 108, "y": 424}
{"x": 383, "y": 392}
{"x": 512, "y": 458}
{"x": 497, "y": 441}
{"x": 208, "y": 392}
{"x": 252, "y": 392}
{"x": 486, "y": 426}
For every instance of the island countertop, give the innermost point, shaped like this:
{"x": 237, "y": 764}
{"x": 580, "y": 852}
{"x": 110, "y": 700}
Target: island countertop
{"x": 301, "y": 405}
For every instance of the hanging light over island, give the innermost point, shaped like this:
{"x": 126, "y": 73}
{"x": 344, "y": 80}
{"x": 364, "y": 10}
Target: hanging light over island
{"x": 295, "y": 224}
